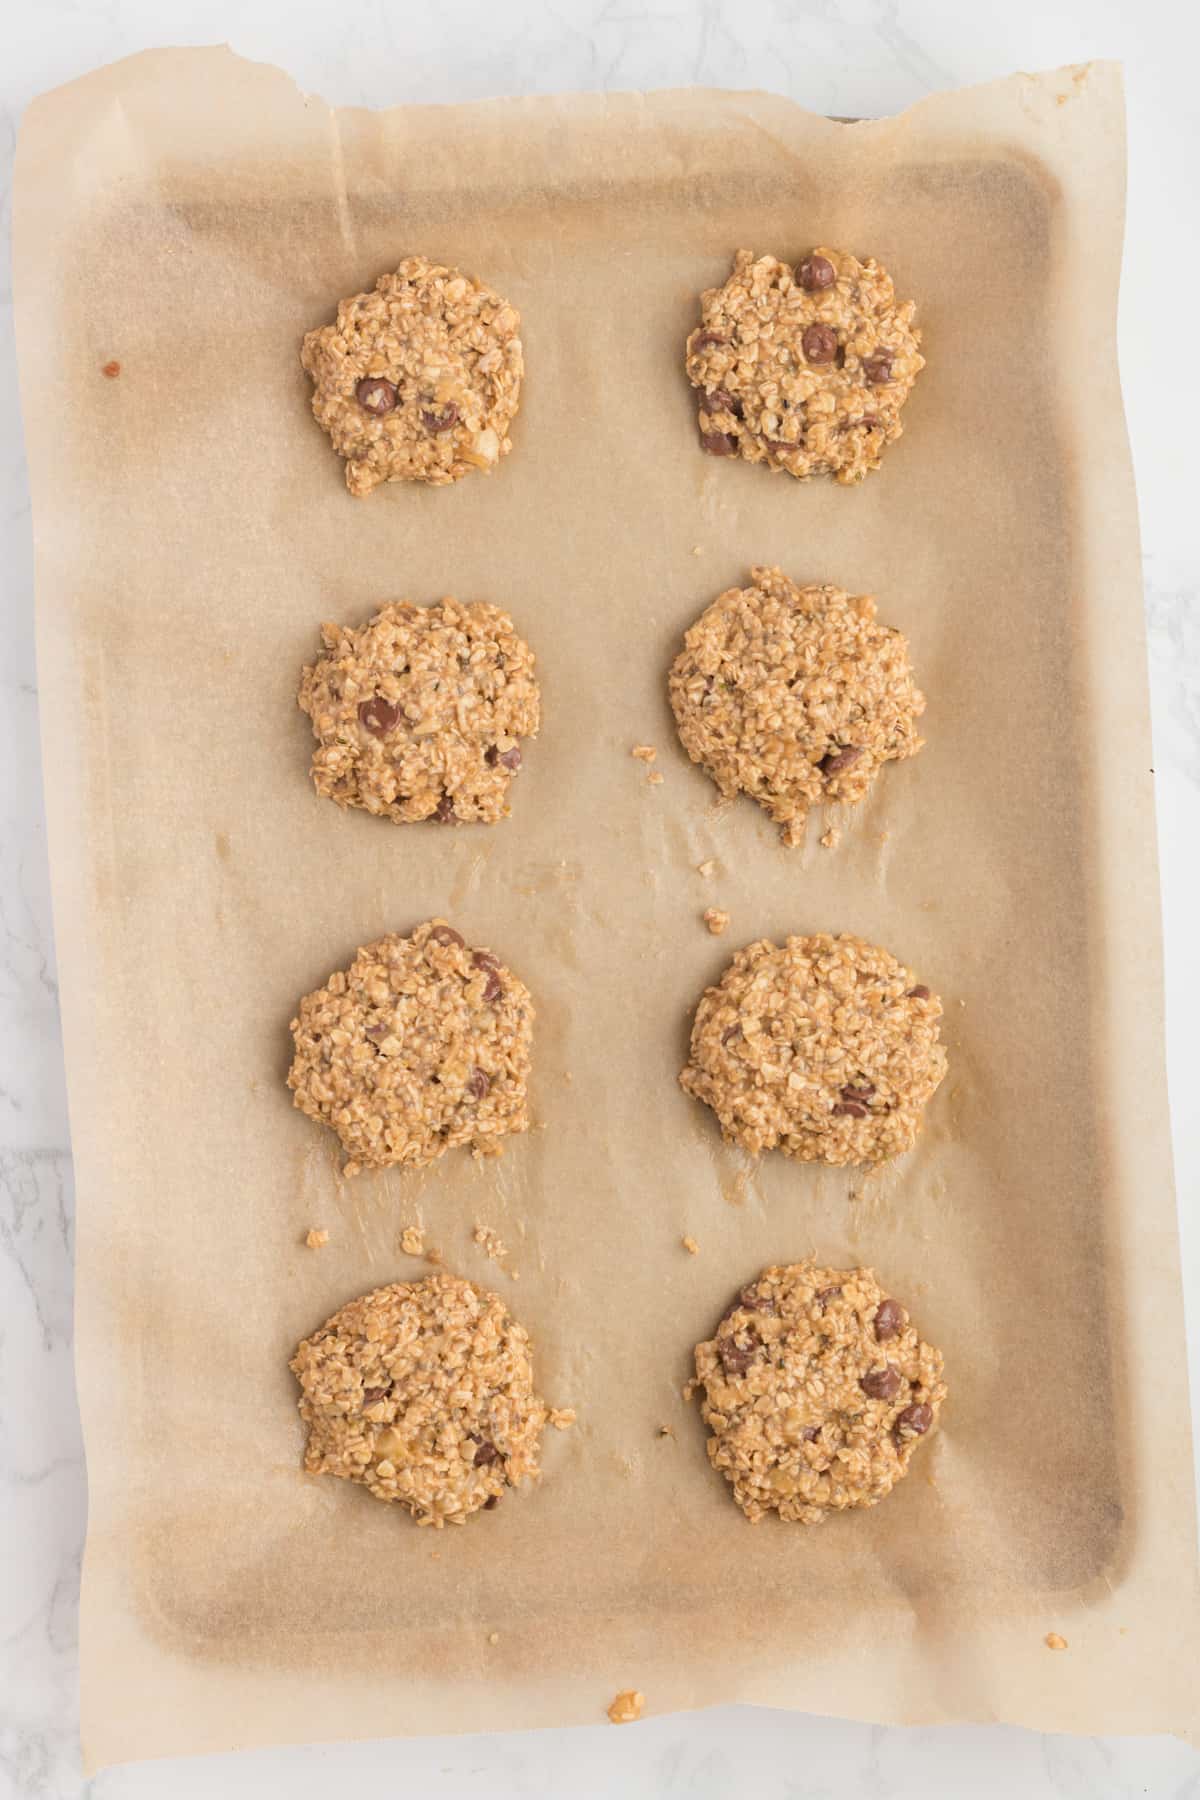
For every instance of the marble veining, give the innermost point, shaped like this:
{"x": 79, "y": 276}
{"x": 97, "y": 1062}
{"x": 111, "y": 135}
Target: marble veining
{"x": 837, "y": 56}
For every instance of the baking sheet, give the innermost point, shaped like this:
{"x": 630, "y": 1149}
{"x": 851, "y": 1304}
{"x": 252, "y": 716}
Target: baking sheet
{"x": 190, "y": 215}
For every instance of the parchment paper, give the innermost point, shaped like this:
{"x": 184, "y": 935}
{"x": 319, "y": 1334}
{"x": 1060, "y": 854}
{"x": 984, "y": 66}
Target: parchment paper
{"x": 191, "y": 215}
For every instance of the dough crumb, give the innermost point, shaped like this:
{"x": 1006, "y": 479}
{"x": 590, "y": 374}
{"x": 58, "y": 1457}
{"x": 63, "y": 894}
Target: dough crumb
{"x": 706, "y": 868}
{"x": 491, "y": 1243}
{"x": 832, "y": 838}
{"x": 717, "y": 920}
{"x": 627, "y": 1707}
{"x": 690, "y": 1245}
{"x": 666, "y": 1431}
{"x": 111, "y": 369}
{"x": 412, "y": 1240}
{"x": 697, "y": 550}
{"x": 315, "y": 1239}
{"x": 1054, "y": 1641}
{"x": 654, "y": 779}
{"x": 644, "y": 752}
{"x": 562, "y": 1417}
{"x": 493, "y": 1637}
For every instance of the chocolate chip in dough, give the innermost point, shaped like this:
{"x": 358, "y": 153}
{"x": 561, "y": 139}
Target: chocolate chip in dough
{"x": 882, "y": 1384}
{"x": 375, "y": 395}
{"x": 819, "y": 344}
{"x": 834, "y": 761}
{"x": 815, "y": 273}
{"x": 379, "y": 716}
{"x": 446, "y": 934}
{"x": 890, "y": 1320}
{"x": 914, "y": 1421}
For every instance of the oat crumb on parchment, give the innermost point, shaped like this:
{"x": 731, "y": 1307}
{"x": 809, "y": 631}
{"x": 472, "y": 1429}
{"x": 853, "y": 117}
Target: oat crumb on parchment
{"x": 717, "y": 919}
{"x": 627, "y": 1706}
{"x": 644, "y": 752}
{"x": 666, "y": 1431}
{"x": 707, "y": 868}
{"x": 316, "y": 1238}
{"x": 412, "y": 1240}
{"x": 654, "y": 779}
{"x": 690, "y": 1245}
{"x": 562, "y": 1417}
{"x": 493, "y": 1637}
{"x": 831, "y": 838}
{"x": 1054, "y": 1641}
{"x": 490, "y": 1242}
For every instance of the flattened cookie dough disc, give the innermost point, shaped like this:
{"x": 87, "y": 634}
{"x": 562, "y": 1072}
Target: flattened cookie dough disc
{"x": 422, "y": 1044}
{"x": 804, "y": 367}
{"x": 826, "y": 1049}
{"x": 423, "y": 1392}
{"x": 418, "y": 380}
{"x": 817, "y": 1391}
{"x": 794, "y": 695}
{"x": 419, "y": 713}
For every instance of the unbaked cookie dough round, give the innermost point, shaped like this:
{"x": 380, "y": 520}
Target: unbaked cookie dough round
{"x": 422, "y": 1044}
{"x": 423, "y": 1392}
{"x": 794, "y": 695}
{"x": 804, "y": 367}
{"x": 419, "y": 713}
{"x": 817, "y": 1391}
{"x": 418, "y": 380}
{"x": 825, "y": 1048}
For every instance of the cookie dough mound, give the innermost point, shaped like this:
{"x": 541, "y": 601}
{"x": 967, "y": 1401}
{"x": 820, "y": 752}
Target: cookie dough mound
{"x": 817, "y": 1391}
{"x": 419, "y": 713}
{"x": 794, "y": 696}
{"x": 804, "y": 368}
{"x": 419, "y": 380}
{"x": 420, "y": 1045}
{"x": 826, "y": 1049}
{"x": 423, "y": 1392}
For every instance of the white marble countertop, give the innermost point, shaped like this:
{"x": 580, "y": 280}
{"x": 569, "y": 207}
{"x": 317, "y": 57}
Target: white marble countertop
{"x": 835, "y": 56}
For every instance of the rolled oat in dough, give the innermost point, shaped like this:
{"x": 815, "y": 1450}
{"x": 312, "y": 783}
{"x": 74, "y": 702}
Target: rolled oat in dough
{"x": 422, "y": 1044}
{"x": 419, "y": 713}
{"x": 825, "y": 1048}
{"x": 817, "y": 1391}
{"x": 423, "y": 1392}
{"x": 794, "y": 695}
{"x": 418, "y": 380}
{"x": 804, "y": 368}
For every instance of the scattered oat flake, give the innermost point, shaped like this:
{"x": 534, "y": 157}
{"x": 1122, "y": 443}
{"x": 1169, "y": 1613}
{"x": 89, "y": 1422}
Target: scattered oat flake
{"x": 706, "y": 868}
{"x": 412, "y": 1240}
{"x": 1054, "y": 1641}
{"x": 654, "y": 778}
{"x": 666, "y": 1431}
{"x": 562, "y": 1417}
{"x": 716, "y": 919}
{"x": 627, "y": 1707}
{"x": 491, "y": 1243}
{"x": 832, "y": 838}
{"x": 690, "y": 1245}
{"x": 644, "y": 752}
{"x": 493, "y": 1637}
{"x": 315, "y": 1239}
{"x": 697, "y": 550}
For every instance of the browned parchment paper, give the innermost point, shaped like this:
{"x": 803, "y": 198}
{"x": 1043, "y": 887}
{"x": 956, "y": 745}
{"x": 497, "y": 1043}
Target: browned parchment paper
{"x": 191, "y": 215}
